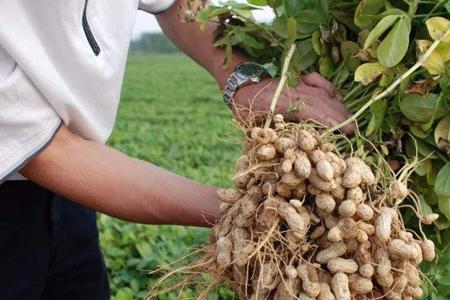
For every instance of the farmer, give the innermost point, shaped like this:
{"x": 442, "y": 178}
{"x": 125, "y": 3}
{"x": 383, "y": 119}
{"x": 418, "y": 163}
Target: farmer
{"x": 61, "y": 70}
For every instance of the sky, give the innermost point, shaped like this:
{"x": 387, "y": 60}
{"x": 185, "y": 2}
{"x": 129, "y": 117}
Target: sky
{"x": 147, "y": 23}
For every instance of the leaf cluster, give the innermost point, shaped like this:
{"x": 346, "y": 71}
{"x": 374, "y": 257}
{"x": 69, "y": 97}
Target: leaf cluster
{"x": 363, "y": 46}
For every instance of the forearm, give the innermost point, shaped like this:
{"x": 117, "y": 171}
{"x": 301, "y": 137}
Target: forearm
{"x": 104, "y": 179}
{"x": 197, "y": 44}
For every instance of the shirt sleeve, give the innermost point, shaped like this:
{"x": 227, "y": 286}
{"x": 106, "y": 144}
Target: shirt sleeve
{"x": 155, "y": 6}
{"x": 27, "y": 120}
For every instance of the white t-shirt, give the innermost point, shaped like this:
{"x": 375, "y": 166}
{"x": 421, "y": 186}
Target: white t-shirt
{"x": 61, "y": 61}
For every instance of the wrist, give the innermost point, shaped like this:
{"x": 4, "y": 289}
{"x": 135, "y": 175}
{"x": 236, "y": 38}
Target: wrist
{"x": 245, "y": 74}
{"x": 222, "y": 73}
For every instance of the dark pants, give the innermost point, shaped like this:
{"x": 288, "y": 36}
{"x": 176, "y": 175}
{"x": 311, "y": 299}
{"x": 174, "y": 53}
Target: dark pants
{"x": 48, "y": 247}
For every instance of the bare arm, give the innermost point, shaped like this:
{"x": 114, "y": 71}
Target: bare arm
{"x": 314, "y": 98}
{"x": 104, "y": 179}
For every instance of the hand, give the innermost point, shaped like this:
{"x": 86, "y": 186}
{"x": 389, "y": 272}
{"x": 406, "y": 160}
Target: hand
{"x": 314, "y": 98}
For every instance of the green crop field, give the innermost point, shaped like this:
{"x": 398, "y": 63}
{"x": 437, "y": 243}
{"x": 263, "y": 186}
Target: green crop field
{"x": 172, "y": 115}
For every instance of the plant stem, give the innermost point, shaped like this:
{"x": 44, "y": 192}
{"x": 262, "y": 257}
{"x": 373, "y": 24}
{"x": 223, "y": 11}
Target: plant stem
{"x": 413, "y": 7}
{"x": 353, "y": 91}
{"x": 399, "y": 80}
{"x": 357, "y": 101}
{"x": 434, "y": 9}
{"x": 427, "y": 16}
{"x": 282, "y": 83}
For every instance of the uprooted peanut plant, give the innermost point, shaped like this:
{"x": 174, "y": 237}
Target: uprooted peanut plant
{"x": 309, "y": 218}
{"x": 304, "y": 222}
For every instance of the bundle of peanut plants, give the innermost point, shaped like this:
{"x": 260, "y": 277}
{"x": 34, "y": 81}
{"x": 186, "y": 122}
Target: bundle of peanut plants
{"x": 314, "y": 214}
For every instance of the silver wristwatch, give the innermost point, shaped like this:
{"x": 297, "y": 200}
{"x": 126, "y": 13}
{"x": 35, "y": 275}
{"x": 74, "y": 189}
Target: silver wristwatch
{"x": 244, "y": 74}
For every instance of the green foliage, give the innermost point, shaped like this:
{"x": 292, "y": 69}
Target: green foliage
{"x": 132, "y": 250}
{"x": 422, "y": 108}
{"x": 363, "y": 46}
{"x": 439, "y": 273}
{"x": 171, "y": 114}
{"x": 379, "y": 29}
{"x": 393, "y": 48}
{"x": 442, "y": 186}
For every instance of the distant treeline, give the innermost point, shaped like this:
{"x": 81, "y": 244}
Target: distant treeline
{"x": 153, "y": 43}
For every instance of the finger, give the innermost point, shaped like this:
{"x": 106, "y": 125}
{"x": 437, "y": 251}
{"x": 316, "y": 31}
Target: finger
{"x": 316, "y": 80}
{"x": 340, "y": 107}
{"x": 318, "y": 98}
{"x": 312, "y": 91}
{"x": 302, "y": 87}
{"x": 320, "y": 111}
{"x": 336, "y": 111}
{"x": 316, "y": 93}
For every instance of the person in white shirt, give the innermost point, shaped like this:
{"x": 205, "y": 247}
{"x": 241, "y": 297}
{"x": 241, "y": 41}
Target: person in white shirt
{"x": 61, "y": 72}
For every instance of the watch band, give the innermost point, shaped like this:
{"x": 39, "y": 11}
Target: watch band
{"x": 230, "y": 89}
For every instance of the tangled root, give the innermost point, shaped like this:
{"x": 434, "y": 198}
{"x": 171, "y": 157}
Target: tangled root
{"x": 304, "y": 222}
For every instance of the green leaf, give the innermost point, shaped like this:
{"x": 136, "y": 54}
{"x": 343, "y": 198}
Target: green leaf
{"x": 279, "y": 26}
{"x": 419, "y": 108}
{"x": 430, "y": 197}
{"x": 341, "y": 76}
{"x": 436, "y": 114}
{"x": 444, "y": 206}
{"x": 258, "y": 2}
{"x": 293, "y": 7}
{"x": 423, "y": 167}
{"x": 274, "y": 3}
{"x": 348, "y": 49}
{"x": 338, "y": 32}
{"x": 348, "y": 52}
{"x": 442, "y": 130}
{"x": 308, "y": 21}
{"x": 368, "y": 72}
{"x": 394, "y": 11}
{"x": 144, "y": 249}
{"x": 394, "y": 47}
{"x": 307, "y": 56}
{"x": 317, "y": 44}
{"x": 437, "y": 26}
{"x": 418, "y": 131}
{"x": 366, "y": 12}
{"x": 291, "y": 28}
{"x": 435, "y": 63}
{"x": 425, "y": 208}
{"x": 387, "y": 78}
{"x": 447, "y": 6}
{"x": 124, "y": 294}
{"x": 326, "y": 67}
{"x": 378, "y": 110}
{"x": 441, "y": 224}
{"x": 442, "y": 185}
{"x": 205, "y": 15}
{"x": 271, "y": 69}
{"x": 245, "y": 40}
{"x": 381, "y": 28}
{"x": 423, "y": 149}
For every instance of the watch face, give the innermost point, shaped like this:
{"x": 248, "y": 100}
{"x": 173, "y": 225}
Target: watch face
{"x": 250, "y": 70}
